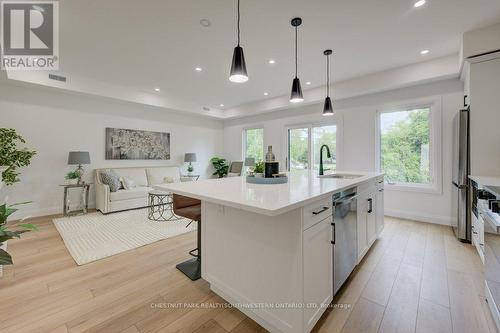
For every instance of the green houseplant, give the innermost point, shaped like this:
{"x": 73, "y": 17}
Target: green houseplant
{"x": 11, "y": 232}
{"x": 259, "y": 169}
{"x": 220, "y": 165}
{"x": 73, "y": 175}
{"x": 12, "y": 156}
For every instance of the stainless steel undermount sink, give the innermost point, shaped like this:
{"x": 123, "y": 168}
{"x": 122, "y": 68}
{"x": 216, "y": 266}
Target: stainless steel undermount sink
{"x": 341, "y": 176}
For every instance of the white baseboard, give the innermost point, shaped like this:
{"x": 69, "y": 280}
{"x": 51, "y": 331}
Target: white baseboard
{"x": 436, "y": 219}
{"x": 39, "y": 211}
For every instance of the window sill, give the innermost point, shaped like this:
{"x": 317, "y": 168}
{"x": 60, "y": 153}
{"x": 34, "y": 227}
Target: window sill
{"x": 413, "y": 188}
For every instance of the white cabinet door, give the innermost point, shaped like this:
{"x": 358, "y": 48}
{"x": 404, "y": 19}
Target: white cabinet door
{"x": 318, "y": 270}
{"x": 379, "y": 211}
{"x": 371, "y": 219}
{"x": 361, "y": 225}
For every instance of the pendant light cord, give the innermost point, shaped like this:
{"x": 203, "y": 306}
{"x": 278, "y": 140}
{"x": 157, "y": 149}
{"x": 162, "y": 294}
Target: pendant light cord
{"x": 327, "y": 76}
{"x": 238, "y": 22}
{"x": 296, "y": 51}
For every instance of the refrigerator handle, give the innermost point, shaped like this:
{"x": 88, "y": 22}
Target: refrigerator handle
{"x": 460, "y": 187}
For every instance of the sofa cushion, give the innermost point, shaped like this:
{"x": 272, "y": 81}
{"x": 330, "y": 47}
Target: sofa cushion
{"x": 138, "y": 175}
{"x": 134, "y": 193}
{"x": 111, "y": 179}
{"x": 157, "y": 175}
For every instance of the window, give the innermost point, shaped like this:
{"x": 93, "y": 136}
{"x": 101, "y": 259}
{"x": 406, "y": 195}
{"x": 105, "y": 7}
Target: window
{"x": 408, "y": 147}
{"x": 254, "y": 143}
{"x": 304, "y": 143}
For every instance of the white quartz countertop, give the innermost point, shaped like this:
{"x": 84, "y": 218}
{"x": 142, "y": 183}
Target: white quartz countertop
{"x": 302, "y": 188}
{"x": 486, "y": 180}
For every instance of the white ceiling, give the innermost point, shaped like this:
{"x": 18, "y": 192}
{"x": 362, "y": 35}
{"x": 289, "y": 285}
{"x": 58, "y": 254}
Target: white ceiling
{"x": 141, "y": 45}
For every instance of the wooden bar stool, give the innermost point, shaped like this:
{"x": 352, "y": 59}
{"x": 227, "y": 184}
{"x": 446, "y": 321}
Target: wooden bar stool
{"x": 191, "y": 209}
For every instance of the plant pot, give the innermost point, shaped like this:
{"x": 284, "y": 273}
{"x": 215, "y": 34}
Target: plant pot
{"x": 3, "y": 247}
{"x": 259, "y": 175}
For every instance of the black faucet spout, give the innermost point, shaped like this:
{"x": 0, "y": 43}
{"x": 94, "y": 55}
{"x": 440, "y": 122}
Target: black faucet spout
{"x": 328, "y": 155}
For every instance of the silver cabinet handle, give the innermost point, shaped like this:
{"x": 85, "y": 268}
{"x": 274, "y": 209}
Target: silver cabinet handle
{"x": 320, "y": 211}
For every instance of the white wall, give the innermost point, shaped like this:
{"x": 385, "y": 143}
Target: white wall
{"x": 357, "y": 125}
{"x": 54, "y": 123}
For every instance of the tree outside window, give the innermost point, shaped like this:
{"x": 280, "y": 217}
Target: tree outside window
{"x": 405, "y": 146}
{"x": 254, "y": 143}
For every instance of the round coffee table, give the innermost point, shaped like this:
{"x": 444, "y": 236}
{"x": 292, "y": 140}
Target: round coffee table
{"x": 160, "y": 206}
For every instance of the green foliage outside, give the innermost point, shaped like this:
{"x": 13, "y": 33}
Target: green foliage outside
{"x": 405, "y": 148}
{"x": 13, "y": 156}
{"x": 299, "y": 151}
{"x": 255, "y": 143}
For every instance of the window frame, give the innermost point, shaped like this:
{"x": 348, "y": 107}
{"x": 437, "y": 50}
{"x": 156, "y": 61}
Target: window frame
{"x": 435, "y": 145}
{"x": 244, "y": 141}
{"x": 310, "y": 125}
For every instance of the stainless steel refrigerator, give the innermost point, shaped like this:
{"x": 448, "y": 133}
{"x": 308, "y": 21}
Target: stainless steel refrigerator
{"x": 461, "y": 171}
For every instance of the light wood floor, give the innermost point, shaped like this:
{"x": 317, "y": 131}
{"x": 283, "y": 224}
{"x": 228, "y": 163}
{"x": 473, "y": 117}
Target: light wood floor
{"x": 416, "y": 278}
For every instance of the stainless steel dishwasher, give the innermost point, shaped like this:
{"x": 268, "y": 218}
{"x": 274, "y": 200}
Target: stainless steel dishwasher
{"x": 344, "y": 236}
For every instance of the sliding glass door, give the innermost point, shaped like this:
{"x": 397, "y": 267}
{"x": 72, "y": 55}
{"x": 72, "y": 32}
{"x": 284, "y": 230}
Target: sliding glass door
{"x": 304, "y": 143}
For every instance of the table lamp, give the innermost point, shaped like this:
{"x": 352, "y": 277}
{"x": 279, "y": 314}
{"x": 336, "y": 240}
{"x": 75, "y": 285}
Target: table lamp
{"x": 190, "y": 157}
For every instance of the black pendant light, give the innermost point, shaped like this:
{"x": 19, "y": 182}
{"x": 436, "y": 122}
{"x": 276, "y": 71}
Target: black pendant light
{"x": 327, "y": 108}
{"x": 296, "y": 95}
{"x": 238, "y": 67}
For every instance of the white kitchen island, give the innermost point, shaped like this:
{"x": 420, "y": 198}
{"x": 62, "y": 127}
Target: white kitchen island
{"x": 267, "y": 249}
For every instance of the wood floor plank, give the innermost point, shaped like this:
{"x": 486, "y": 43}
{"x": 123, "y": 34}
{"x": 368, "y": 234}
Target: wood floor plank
{"x": 210, "y": 326}
{"x": 433, "y": 318}
{"x": 400, "y": 316}
{"x": 365, "y": 317}
{"x": 466, "y": 310}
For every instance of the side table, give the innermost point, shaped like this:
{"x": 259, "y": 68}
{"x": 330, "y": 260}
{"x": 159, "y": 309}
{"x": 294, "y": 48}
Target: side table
{"x": 85, "y": 199}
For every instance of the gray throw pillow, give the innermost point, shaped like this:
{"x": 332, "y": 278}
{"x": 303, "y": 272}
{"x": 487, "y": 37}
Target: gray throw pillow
{"x": 111, "y": 179}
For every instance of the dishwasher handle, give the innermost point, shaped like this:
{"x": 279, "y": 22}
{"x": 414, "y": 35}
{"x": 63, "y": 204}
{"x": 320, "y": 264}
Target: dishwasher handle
{"x": 345, "y": 199}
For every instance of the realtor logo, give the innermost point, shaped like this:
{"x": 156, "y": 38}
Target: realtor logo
{"x": 30, "y": 35}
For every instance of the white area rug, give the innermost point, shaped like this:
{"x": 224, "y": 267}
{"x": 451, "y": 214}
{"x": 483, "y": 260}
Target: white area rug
{"x": 95, "y": 236}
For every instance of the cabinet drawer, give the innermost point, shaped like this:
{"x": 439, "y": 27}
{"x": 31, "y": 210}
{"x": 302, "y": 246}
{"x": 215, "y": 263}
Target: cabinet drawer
{"x": 317, "y": 211}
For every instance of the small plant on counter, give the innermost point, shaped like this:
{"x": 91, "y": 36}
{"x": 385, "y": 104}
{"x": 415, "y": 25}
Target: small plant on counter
{"x": 220, "y": 165}
{"x": 259, "y": 167}
{"x": 12, "y": 232}
{"x": 12, "y": 156}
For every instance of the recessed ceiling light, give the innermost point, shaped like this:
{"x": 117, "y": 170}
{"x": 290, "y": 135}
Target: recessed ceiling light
{"x": 265, "y": 94}
{"x": 272, "y": 61}
{"x": 308, "y": 83}
{"x": 221, "y": 105}
{"x": 424, "y": 52}
{"x": 419, "y": 3}
{"x": 157, "y": 89}
{"x": 205, "y": 22}
{"x": 198, "y": 69}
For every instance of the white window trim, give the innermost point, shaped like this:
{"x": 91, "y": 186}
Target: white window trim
{"x": 244, "y": 140}
{"x": 337, "y": 121}
{"x": 435, "y": 146}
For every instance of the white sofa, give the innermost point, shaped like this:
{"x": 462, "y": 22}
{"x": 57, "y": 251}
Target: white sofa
{"x": 144, "y": 177}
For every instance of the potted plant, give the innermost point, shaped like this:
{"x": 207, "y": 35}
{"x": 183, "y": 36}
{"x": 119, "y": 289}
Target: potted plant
{"x": 220, "y": 165}
{"x": 11, "y": 232}
{"x": 73, "y": 176}
{"x": 12, "y": 156}
{"x": 258, "y": 170}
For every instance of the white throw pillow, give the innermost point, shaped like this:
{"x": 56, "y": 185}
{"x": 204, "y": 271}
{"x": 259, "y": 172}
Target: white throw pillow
{"x": 128, "y": 183}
